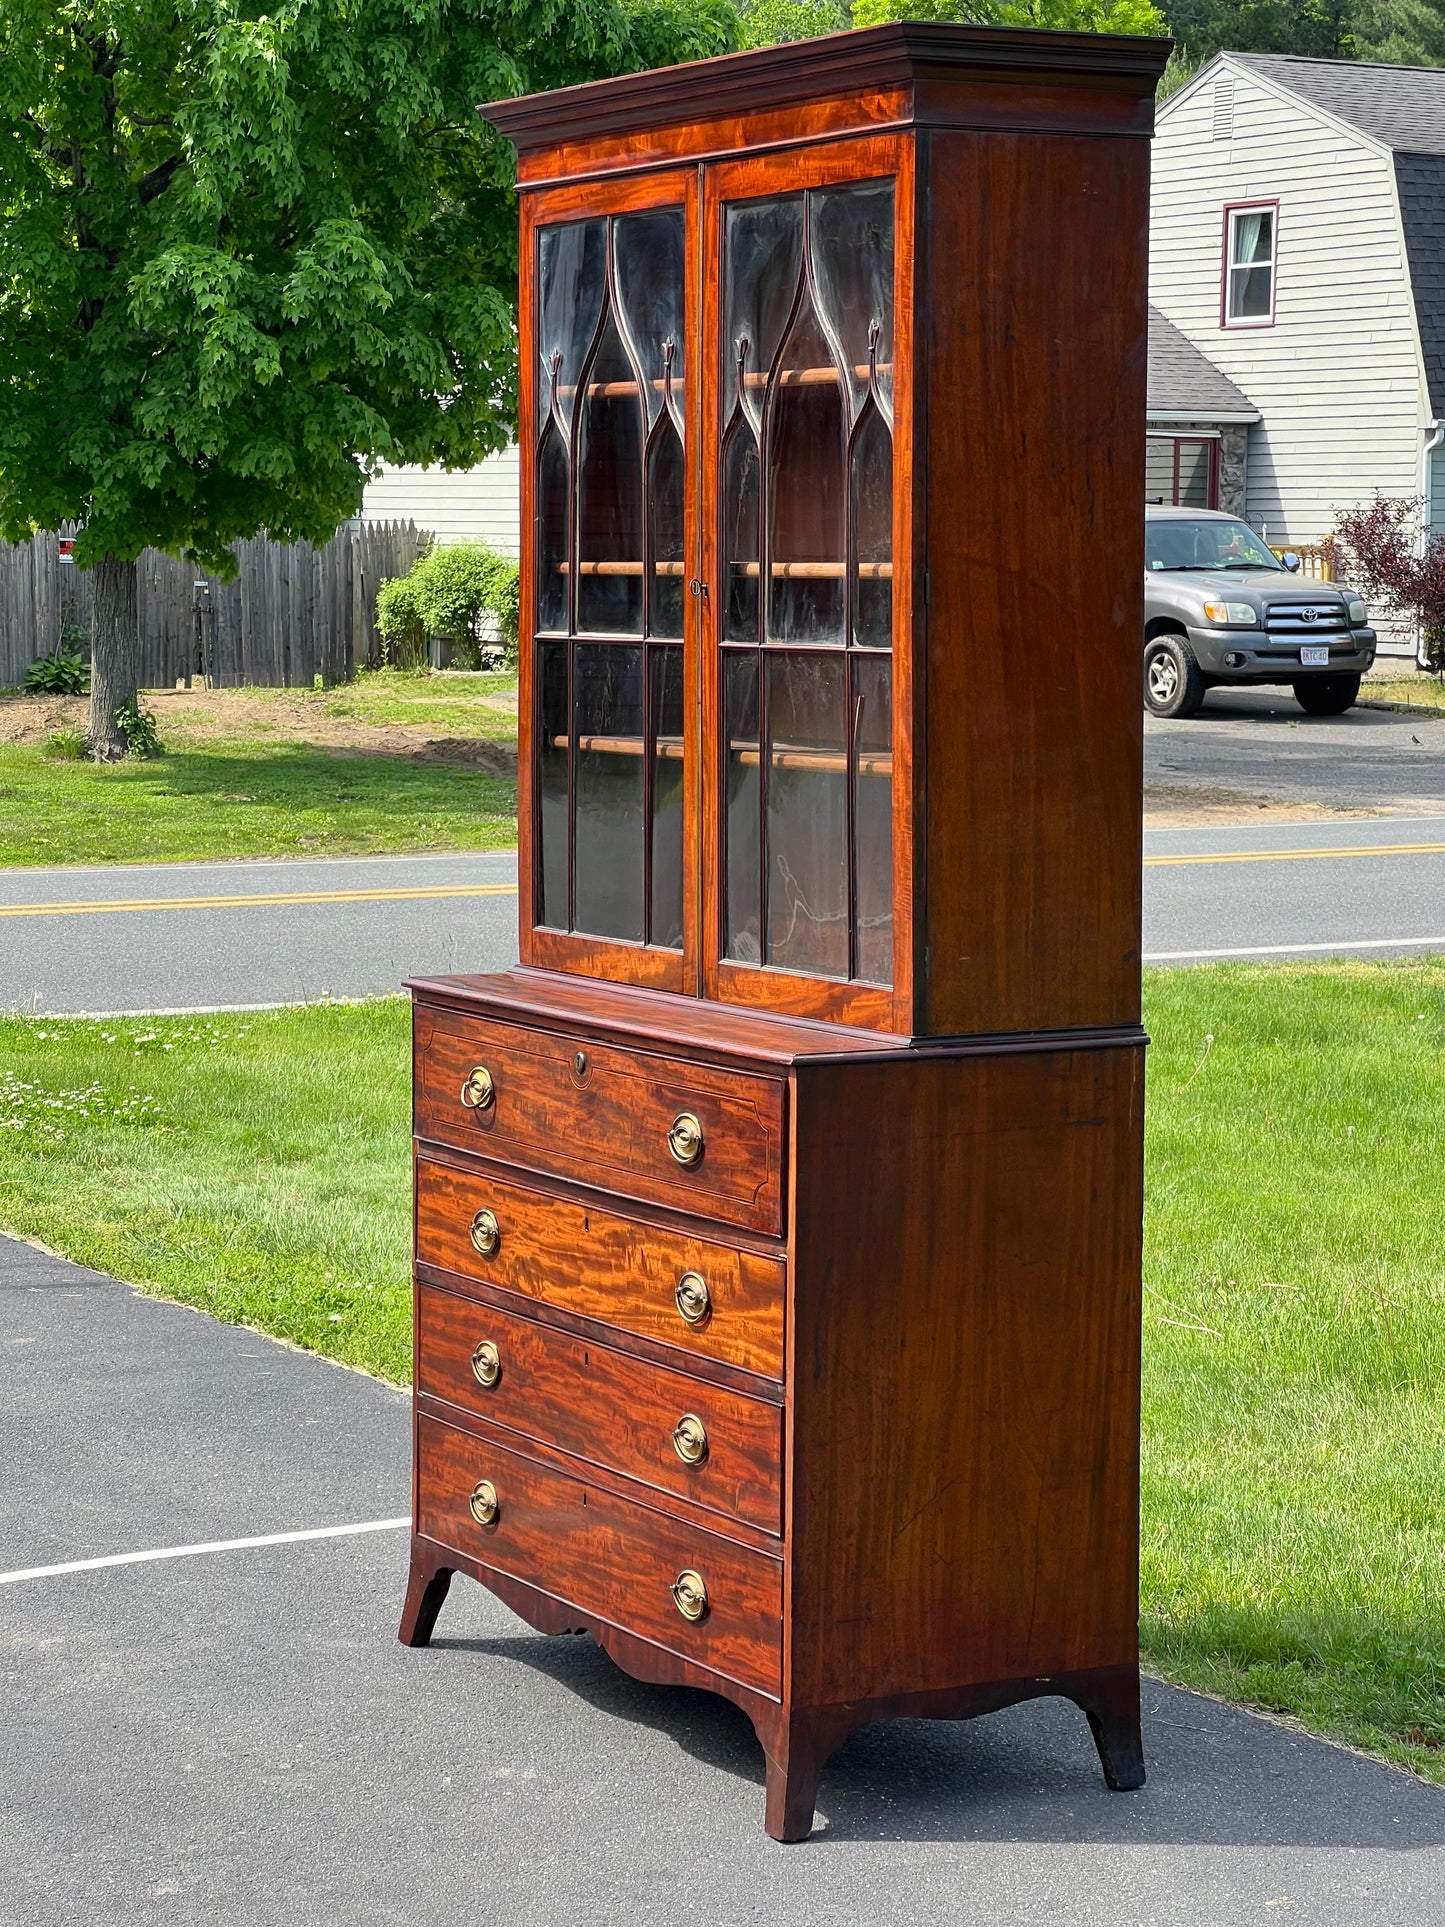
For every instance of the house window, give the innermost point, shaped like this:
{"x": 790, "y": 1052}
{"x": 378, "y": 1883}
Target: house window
{"x": 1182, "y": 471}
{"x": 1249, "y": 256}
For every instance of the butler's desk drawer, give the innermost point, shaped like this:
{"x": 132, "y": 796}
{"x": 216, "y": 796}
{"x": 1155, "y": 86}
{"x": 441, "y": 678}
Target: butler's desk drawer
{"x": 661, "y": 1129}
{"x": 679, "y": 1434}
{"x": 688, "y": 1590}
{"x": 710, "y": 1300}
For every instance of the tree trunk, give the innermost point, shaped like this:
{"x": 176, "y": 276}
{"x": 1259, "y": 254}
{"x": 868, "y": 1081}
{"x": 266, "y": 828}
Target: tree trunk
{"x": 114, "y": 656}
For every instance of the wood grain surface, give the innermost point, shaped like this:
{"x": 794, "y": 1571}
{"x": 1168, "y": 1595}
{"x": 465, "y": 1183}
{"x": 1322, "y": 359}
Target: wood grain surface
{"x": 964, "y": 1371}
{"x": 1033, "y": 463}
{"x": 607, "y": 1557}
{"x": 596, "y": 1263}
{"x": 597, "y": 1403}
{"x": 607, "y": 1123}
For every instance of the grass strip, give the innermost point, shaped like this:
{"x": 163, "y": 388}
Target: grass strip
{"x": 1294, "y": 1397}
{"x": 244, "y": 799}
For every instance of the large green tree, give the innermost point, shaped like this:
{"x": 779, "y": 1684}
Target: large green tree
{"x": 250, "y": 247}
{"x": 766, "y": 22}
{"x": 1404, "y": 32}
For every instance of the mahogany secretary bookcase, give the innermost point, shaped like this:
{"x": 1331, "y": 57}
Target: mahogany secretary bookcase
{"x": 778, "y": 1219}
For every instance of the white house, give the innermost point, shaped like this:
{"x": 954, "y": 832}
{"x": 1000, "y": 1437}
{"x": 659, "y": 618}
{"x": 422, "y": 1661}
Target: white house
{"x": 1297, "y": 241}
{"x": 456, "y": 505}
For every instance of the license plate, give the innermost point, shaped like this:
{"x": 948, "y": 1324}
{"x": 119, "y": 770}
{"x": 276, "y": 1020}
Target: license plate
{"x": 1316, "y": 658}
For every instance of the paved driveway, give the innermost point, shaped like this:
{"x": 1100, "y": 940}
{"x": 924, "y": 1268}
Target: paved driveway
{"x": 1261, "y": 743}
{"x": 236, "y": 1737}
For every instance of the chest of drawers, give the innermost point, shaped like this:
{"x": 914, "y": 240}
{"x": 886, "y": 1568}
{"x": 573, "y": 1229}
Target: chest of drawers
{"x": 785, "y": 1359}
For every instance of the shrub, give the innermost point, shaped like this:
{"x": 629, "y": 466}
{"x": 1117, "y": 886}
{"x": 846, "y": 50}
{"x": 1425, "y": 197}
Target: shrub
{"x": 64, "y": 745}
{"x": 459, "y": 592}
{"x": 1387, "y": 555}
{"x": 138, "y": 726}
{"x": 58, "y": 674}
{"x": 398, "y": 620}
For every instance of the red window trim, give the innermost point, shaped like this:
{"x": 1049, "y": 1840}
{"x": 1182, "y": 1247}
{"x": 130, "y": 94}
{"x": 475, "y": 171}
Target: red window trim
{"x": 1211, "y": 442}
{"x": 1248, "y": 207}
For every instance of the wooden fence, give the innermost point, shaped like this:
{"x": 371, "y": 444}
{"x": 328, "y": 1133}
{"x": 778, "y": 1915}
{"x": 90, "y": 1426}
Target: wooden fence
{"x": 293, "y": 612}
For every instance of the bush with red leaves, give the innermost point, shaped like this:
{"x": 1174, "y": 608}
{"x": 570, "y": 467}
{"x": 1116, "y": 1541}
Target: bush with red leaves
{"x": 1378, "y": 549}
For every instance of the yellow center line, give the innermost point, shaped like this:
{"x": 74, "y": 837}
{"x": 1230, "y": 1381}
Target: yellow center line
{"x": 1294, "y": 856}
{"x": 110, "y": 906}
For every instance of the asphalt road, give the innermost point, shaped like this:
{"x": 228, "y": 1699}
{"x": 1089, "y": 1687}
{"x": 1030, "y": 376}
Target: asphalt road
{"x": 237, "y": 1736}
{"x": 193, "y": 936}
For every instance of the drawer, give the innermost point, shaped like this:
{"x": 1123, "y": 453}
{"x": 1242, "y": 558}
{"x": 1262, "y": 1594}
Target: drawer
{"x": 602, "y": 1405}
{"x": 602, "y": 1116}
{"x": 596, "y": 1264}
{"x": 609, "y": 1558}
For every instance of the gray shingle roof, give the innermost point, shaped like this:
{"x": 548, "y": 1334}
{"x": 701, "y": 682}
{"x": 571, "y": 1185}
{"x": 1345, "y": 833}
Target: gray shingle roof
{"x": 1420, "y": 179}
{"x": 1402, "y": 106}
{"x": 1184, "y": 382}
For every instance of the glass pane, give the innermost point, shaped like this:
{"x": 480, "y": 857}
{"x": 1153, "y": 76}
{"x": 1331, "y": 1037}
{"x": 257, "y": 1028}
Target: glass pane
{"x": 806, "y": 459}
{"x": 740, "y": 714}
{"x": 1194, "y": 475}
{"x": 1159, "y": 471}
{"x": 649, "y": 264}
{"x": 1249, "y": 292}
{"x": 1253, "y": 235}
{"x": 609, "y": 494}
{"x": 665, "y": 919}
{"x": 807, "y": 815}
{"x": 570, "y": 284}
{"x": 873, "y": 533}
{"x": 763, "y": 261}
{"x": 873, "y": 816}
{"x": 740, "y": 535}
{"x": 664, "y": 504}
{"x": 552, "y": 783}
{"x": 607, "y": 705}
{"x": 850, "y": 233}
{"x": 552, "y": 533}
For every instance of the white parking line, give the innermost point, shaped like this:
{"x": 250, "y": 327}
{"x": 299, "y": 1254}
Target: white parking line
{"x": 1342, "y": 947}
{"x": 193, "y": 1552}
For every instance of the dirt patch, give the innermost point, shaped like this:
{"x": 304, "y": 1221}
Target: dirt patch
{"x": 1177, "y": 807}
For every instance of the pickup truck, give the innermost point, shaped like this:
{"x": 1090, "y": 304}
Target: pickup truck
{"x": 1221, "y": 607}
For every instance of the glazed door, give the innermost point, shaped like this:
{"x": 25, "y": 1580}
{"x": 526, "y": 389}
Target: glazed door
{"x": 807, "y": 534}
{"x": 609, "y": 629}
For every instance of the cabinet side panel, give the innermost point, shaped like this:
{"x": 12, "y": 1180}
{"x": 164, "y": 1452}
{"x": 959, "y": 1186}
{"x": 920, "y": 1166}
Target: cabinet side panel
{"x": 965, "y": 1371}
{"x": 1036, "y": 345}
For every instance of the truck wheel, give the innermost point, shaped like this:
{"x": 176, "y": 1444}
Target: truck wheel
{"x": 1326, "y": 695}
{"x": 1173, "y": 682}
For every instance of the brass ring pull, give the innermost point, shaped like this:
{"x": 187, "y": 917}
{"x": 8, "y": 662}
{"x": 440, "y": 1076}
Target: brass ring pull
{"x": 684, "y": 1140}
{"x": 486, "y": 1364}
{"x": 485, "y": 1233}
{"x": 689, "y": 1595}
{"x": 689, "y": 1439}
{"x": 485, "y": 1506}
{"x": 693, "y": 1299}
{"x": 479, "y": 1092}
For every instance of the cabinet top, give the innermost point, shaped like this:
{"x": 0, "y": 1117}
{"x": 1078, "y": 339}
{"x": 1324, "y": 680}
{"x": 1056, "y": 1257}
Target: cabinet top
{"x": 908, "y": 72}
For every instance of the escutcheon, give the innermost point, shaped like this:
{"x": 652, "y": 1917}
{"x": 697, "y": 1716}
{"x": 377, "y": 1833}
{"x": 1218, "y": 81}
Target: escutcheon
{"x": 689, "y": 1595}
{"x": 684, "y": 1140}
{"x": 485, "y": 1507}
{"x": 480, "y": 1091}
{"x": 486, "y": 1364}
{"x": 694, "y": 1301}
{"x": 485, "y": 1233}
{"x": 689, "y": 1439}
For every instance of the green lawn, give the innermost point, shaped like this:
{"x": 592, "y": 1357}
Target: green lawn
{"x": 1294, "y": 1410}
{"x": 279, "y": 772}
